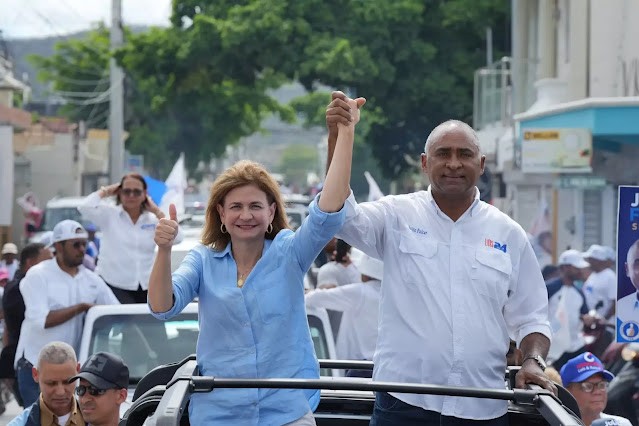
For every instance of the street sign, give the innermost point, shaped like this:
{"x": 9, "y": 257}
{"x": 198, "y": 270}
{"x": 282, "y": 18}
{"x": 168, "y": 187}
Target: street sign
{"x": 580, "y": 182}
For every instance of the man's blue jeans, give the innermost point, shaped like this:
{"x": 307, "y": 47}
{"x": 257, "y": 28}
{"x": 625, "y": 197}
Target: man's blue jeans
{"x": 29, "y": 389}
{"x": 391, "y": 411}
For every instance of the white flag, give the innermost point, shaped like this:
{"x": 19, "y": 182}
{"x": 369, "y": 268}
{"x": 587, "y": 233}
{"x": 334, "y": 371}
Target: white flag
{"x": 374, "y": 193}
{"x": 175, "y": 186}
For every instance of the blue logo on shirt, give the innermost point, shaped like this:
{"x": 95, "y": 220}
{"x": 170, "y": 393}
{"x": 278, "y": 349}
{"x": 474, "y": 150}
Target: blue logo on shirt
{"x": 417, "y": 230}
{"x": 494, "y": 244}
{"x": 149, "y": 227}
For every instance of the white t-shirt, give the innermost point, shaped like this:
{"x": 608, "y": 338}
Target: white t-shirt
{"x": 62, "y": 420}
{"x": 601, "y": 289}
{"x": 338, "y": 274}
{"x": 622, "y": 420}
{"x": 358, "y": 330}
{"x": 566, "y": 305}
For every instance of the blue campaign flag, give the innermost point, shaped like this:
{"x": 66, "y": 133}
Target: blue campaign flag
{"x": 628, "y": 265}
{"x": 156, "y": 189}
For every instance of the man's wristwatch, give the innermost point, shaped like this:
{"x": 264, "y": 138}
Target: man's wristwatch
{"x": 539, "y": 359}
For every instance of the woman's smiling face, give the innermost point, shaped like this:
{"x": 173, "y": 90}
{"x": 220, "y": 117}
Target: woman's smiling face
{"x": 246, "y": 213}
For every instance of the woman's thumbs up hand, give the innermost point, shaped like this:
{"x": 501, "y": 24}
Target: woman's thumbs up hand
{"x": 167, "y": 229}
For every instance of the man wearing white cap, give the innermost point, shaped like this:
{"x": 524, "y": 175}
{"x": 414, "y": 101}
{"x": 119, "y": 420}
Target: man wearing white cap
{"x": 57, "y": 293}
{"x": 600, "y": 288}
{"x": 567, "y": 309}
{"x": 9, "y": 259}
{"x": 360, "y": 304}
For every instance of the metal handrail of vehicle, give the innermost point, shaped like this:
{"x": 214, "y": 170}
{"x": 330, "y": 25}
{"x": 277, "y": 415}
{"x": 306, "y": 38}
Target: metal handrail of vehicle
{"x": 171, "y": 408}
{"x": 346, "y": 365}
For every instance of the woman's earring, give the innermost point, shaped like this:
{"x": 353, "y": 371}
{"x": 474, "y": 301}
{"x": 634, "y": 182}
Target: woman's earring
{"x": 270, "y": 228}
{"x": 223, "y": 228}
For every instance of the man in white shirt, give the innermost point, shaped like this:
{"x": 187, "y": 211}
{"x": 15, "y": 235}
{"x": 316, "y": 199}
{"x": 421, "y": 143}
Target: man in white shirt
{"x": 600, "y": 288}
{"x": 628, "y": 306}
{"x": 586, "y": 379}
{"x": 567, "y": 309}
{"x": 359, "y": 303}
{"x": 57, "y": 293}
{"x": 460, "y": 278}
{"x": 9, "y": 259}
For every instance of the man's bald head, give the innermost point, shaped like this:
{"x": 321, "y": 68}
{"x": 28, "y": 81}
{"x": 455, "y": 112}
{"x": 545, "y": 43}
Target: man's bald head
{"x": 451, "y": 126}
{"x": 632, "y": 264}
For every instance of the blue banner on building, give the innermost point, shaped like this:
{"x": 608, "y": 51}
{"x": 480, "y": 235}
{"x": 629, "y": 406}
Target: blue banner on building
{"x": 628, "y": 265}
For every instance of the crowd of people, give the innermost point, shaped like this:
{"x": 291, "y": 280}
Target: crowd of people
{"x": 50, "y": 285}
{"x": 432, "y": 266}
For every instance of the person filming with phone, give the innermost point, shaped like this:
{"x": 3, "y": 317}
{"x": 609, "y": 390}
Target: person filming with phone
{"x": 127, "y": 249}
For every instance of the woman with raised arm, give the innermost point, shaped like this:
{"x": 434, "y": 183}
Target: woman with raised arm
{"x": 248, "y": 275}
{"x": 128, "y": 229}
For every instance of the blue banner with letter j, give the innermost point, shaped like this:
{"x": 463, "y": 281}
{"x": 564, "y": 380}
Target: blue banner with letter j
{"x": 628, "y": 265}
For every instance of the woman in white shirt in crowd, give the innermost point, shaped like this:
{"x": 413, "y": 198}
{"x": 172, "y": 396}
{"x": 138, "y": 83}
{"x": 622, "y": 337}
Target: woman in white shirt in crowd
{"x": 127, "y": 249}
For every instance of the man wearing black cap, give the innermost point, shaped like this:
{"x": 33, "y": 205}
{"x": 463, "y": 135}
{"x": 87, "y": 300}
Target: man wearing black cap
{"x": 104, "y": 379}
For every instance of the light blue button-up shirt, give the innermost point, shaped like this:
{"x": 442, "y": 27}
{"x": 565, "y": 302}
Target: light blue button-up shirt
{"x": 258, "y": 331}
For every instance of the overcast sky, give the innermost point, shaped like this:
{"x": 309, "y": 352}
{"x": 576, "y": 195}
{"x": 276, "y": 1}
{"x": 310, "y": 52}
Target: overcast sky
{"x": 42, "y": 18}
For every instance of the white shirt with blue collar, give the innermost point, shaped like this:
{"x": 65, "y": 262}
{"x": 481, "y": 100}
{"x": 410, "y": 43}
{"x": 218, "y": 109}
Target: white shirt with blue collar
{"x": 452, "y": 296}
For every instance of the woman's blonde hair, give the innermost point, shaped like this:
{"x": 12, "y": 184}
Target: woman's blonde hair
{"x": 553, "y": 375}
{"x": 240, "y": 174}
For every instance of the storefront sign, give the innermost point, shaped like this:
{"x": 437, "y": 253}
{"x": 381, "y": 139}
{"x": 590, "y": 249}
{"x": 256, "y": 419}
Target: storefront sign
{"x": 556, "y": 151}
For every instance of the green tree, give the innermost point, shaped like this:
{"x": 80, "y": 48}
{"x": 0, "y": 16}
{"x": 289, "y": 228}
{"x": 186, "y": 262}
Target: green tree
{"x": 412, "y": 59}
{"x": 205, "y": 82}
{"x": 297, "y": 162}
{"x": 79, "y": 73}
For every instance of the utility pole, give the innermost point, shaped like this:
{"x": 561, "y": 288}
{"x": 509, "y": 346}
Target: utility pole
{"x": 116, "y": 98}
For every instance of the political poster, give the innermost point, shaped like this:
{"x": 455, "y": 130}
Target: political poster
{"x": 628, "y": 265}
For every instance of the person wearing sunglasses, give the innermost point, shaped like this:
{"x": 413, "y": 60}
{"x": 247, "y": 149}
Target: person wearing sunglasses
{"x": 56, "y": 293}
{"x": 586, "y": 379}
{"x": 127, "y": 248}
{"x": 55, "y": 404}
{"x": 104, "y": 379}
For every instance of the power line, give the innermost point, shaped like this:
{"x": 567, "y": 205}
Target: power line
{"x": 82, "y": 82}
{"x": 67, "y": 37}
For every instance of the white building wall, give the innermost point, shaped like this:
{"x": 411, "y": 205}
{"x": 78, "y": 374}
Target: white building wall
{"x": 53, "y": 170}
{"x": 614, "y": 51}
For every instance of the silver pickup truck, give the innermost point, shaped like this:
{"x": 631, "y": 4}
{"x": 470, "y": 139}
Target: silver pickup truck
{"x": 145, "y": 342}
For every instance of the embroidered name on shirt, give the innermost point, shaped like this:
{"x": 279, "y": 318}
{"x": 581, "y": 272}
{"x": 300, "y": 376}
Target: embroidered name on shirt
{"x": 417, "y": 230}
{"x": 496, "y": 245}
{"x": 149, "y": 226}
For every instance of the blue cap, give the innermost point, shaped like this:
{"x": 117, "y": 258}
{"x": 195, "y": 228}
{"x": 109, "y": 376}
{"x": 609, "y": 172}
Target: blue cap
{"x": 90, "y": 227}
{"x": 581, "y": 368}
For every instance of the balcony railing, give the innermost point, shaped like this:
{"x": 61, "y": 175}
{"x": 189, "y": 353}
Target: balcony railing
{"x": 493, "y": 92}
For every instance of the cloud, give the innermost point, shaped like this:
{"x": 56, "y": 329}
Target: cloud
{"x": 42, "y": 18}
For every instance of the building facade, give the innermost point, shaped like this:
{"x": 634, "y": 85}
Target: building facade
{"x": 560, "y": 117}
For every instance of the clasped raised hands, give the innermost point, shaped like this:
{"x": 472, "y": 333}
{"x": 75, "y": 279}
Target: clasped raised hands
{"x": 342, "y": 111}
